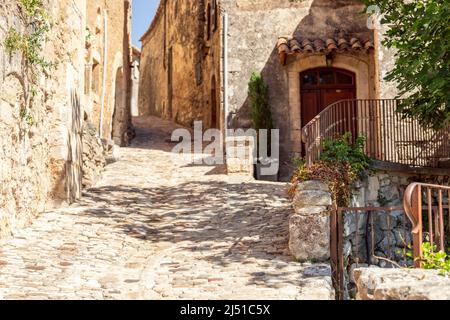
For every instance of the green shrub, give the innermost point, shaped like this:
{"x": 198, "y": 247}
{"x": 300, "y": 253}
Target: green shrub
{"x": 341, "y": 164}
{"x": 260, "y": 110}
{"x": 342, "y": 150}
{"x": 433, "y": 259}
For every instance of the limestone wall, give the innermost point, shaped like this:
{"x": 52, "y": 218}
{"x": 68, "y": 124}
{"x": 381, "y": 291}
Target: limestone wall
{"x": 117, "y": 91}
{"x": 255, "y": 26}
{"x": 382, "y": 238}
{"x": 386, "y": 63}
{"x": 40, "y": 155}
{"x": 42, "y": 152}
{"x": 94, "y": 155}
{"x": 135, "y": 75}
{"x": 179, "y": 63}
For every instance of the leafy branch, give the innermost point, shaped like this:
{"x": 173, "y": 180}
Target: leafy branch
{"x": 432, "y": 259}
{"x": 420, "y": 35}
{"x": 30, "y": 43}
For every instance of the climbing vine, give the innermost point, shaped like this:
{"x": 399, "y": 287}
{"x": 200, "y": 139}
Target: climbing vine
{"x": 341, "y": 164}
{"x": 30, "y": 43}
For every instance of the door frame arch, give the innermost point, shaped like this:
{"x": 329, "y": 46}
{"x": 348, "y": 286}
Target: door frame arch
{"x": 360, "y": 64}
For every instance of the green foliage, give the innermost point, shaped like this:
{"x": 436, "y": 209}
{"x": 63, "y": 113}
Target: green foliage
{"x": 298, "y": 162}
{"x": 343, "y": 150}
{"x": 420, "y": 33}
{"x": 258, "y": 93}
{"x": 32, "y": 7}
{"x": 89, "y": 35}
{"x": 30, "y": 43}
{"x": 13, "y": 41}
{"x": 27, "y": 117}
{"x": 341, "y": 163}
{"x": 433, "y": 259}
{"x": 261, "y": 113}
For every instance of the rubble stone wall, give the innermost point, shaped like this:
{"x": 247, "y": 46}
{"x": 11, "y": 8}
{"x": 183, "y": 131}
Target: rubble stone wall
{"x": 40, "y": 157}
{"x": 180, "y": 64}
{"x": 382, "y": 237}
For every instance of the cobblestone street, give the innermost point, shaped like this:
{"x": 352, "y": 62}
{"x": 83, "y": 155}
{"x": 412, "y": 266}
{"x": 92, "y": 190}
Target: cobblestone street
{"x": 153, "y": 228}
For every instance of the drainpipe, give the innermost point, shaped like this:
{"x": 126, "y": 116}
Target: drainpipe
{"x": 225, "y": 73}
{"x": 105, "y": 66}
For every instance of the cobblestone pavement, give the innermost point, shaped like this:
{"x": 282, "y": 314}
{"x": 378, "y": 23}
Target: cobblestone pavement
{"x": 153, "y": 228}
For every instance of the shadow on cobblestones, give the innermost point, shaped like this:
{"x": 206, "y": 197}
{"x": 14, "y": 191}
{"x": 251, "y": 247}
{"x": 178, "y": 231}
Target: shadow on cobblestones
{"x": 154, "y": 228}
{"x": 234, "y": 219}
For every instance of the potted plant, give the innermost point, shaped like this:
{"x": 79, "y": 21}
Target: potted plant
{"x": 261, "y": 116}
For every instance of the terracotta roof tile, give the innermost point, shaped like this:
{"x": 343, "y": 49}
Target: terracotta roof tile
{"x": 288, "y": 46}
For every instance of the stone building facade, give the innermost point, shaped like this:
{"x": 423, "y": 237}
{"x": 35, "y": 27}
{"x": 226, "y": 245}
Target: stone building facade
{"x": 135, "y": 76}
{"x": 42, "y": 160}
{"x": 282, "y": 39}
{"x": 180, "y": 63}
{"x": 108, "y": 46}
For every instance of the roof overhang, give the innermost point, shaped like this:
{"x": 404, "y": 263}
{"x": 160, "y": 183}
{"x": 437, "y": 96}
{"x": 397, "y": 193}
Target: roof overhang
{"x": 293, "y": 46}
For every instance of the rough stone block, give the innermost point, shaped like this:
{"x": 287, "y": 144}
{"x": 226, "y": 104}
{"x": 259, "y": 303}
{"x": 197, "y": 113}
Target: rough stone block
{"x": 310, "y": 237}
{"x": 401, "y": 284}
{"x": 374, "y": 188}
{"x": 313, "y": 185}
{"x": 307, "y": 211}
{"x": 312, "y": 198}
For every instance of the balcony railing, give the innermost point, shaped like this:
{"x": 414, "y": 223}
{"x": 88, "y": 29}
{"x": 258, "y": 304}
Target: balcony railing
{"x": 389, "y": 136}
{"x": 428, "y": 208}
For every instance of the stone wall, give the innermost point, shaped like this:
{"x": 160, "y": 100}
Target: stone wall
{"x": 94, "y": 155}
{"x": 382, "y": 238}
{"x": 309, "y": 227}
{"x": 135, "y": 76}
{"x": 47, "y": 151}
{"x": 180, "y": 64}
{"x": 115, "y": 119}
{"x": 41, "y": 159}
{"x": 386, "y": 63}
{"x": 254, "y": 28}
{"x": 401, "y": 284}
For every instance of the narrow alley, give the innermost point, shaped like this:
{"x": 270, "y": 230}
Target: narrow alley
{"x": 152, "y": 228}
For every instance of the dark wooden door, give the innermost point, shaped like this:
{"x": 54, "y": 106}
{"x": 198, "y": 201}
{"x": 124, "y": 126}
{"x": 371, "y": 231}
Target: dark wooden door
{"x": 322, "y": 87}
{"x": 311, "y": 105}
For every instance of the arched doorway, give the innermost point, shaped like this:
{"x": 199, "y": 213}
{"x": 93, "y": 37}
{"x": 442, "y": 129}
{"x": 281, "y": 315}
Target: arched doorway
{"x": 322, "y": 87}
{"x": 119, "y": 108}
{"x": 215, "y": 112}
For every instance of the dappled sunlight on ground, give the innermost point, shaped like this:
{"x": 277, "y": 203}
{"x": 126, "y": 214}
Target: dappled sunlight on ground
{"x": 161, "y": 229}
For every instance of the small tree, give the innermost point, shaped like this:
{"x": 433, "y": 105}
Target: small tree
{"x": 261, "y": 113}
{"x": 420, "y": 32}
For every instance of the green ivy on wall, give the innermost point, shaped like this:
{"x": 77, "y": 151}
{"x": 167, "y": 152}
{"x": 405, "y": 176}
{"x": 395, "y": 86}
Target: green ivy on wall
{"x": 30, "y": 43}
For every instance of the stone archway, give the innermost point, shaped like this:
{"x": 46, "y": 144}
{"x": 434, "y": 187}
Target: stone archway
{"x": 119, "y": 107}
{"x": 358, "y": 64}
